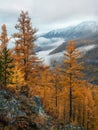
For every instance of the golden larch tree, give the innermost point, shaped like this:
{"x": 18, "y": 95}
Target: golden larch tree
{"x": 73, "y": 73}
{"x": 24, "y": 52}
{"x": 17, "y": 78}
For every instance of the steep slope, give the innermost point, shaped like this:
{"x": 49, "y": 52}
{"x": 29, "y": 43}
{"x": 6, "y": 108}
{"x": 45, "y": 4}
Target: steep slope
{"x": 79, "y": 43}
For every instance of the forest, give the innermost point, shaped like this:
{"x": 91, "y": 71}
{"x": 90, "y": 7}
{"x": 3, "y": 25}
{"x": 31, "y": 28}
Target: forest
{"x": 64, "y": 92}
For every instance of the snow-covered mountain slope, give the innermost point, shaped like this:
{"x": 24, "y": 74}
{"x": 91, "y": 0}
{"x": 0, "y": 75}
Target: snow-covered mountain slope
{"x": 52, "y": 45}
{"x": 73, "y": 32}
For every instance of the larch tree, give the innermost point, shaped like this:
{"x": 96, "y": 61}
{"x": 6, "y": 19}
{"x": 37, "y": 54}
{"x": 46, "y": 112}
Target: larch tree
{"x": 57, "y": 87}
{"x": 3, "y": 38}
{"x": 24, "y": 46}
{"x": 17, "y": 79}
{"x": 44, "y": 82}
{"x": 6, "y": 61}
{"x": 73, "y": 73}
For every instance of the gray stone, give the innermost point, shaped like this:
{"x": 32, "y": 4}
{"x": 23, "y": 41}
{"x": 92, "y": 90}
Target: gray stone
{"x": 38, "y": 108}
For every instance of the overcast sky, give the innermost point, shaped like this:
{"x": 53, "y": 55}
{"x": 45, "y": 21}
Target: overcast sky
{"x": 48, "y": 14}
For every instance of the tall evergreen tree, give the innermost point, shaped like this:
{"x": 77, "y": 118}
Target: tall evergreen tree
{"x": 6, "y": 62}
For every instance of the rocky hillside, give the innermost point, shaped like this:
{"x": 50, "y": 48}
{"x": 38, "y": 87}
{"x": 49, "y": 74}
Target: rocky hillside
{"x": 24, "y": 113}
{"x": 21, "y": 113}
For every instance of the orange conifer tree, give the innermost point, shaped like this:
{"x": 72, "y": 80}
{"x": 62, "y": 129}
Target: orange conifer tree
{"x": 73, "y": 73}
{"x": 24, "y": 46}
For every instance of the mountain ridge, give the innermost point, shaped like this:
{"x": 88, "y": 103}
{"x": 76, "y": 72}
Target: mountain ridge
{"x": 74, "y": 32}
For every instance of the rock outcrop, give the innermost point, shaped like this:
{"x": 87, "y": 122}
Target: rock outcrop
{"x": 21, "y": 112}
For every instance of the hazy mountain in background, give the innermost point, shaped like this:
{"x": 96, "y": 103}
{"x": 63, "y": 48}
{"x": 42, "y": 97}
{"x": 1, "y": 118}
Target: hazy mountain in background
{"x": 73, "y": 32}
{"x": 85, "y": 34}
{"x": 52, "y": 45}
